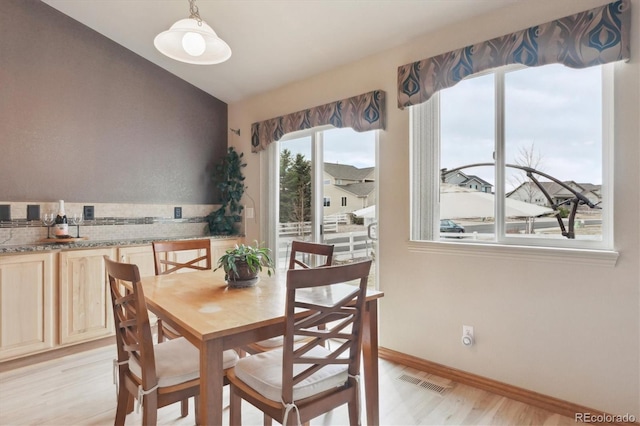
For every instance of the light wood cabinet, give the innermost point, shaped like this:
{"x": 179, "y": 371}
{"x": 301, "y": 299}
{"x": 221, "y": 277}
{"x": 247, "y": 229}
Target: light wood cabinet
{"x": 27, "y": 304}
{"x": 54, "y": 299}
{"x": 85, "y": 301}
{"x": 218, "y": 247}
{"x": 142, "y": 256}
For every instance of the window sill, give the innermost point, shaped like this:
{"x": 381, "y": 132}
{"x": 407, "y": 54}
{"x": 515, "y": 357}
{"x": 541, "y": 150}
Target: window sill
{"x": 607, "y": 258}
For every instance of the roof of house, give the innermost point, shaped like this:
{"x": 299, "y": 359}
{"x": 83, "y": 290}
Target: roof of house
{"x": 591, "y": 187}
{"x": 556, "y": 190}
{"x": 361, "y": 189}
{"x": 467, "y": 177}
{"x": 346, "y": 171}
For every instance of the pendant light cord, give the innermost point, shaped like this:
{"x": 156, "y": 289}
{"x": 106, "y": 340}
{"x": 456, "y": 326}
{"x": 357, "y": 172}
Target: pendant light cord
{"x": 195, "y": 13}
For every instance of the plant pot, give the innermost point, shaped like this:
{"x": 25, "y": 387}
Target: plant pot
{"x": 245, "y": 278}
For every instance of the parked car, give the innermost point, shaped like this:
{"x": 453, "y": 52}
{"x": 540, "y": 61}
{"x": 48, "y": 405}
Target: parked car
{"x": 447, "y": 225}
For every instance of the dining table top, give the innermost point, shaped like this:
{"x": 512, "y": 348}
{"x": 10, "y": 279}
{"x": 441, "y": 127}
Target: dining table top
{"x": 204, "y": 304}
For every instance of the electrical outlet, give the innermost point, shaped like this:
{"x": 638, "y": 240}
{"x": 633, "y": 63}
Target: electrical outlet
{"x": 467, "y": 335}
{"x": 177, "y": 212}
{"x": 33, "y": 212}
{"x": 5, "y": 212}
{"x": 88, "y": 213}
{"x": 248, "y": 212}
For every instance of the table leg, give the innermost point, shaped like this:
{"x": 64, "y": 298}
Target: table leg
{"x": 370, "y": 362}
{"x": 211, "y": 383}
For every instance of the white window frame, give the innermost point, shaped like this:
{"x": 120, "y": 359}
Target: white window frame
{"x": 425, "y": 203}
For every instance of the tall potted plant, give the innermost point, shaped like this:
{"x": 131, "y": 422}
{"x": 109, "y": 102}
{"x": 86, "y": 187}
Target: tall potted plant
{"x": 230, "y": 182}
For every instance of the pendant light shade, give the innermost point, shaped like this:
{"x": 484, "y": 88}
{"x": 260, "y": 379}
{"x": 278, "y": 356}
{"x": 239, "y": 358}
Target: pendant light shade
{"x": 192, "y": 41}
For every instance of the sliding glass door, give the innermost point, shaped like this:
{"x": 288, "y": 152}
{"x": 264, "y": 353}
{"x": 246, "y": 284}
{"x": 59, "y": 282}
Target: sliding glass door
{"x": 326, "y": 192}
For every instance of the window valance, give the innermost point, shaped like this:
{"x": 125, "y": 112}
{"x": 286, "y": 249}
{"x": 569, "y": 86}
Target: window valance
{"x": 361, "y": 113}
{"x": 593, "y": 37}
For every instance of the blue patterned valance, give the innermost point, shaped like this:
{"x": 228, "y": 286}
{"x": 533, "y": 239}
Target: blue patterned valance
{"x": 593, "y": 37}
{"x": 361, "y": 113}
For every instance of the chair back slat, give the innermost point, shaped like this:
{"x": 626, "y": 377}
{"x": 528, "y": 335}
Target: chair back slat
{"x": 313, "y": 290}
{"x": 304, "y": 253}
{"x": 164, "y": 265}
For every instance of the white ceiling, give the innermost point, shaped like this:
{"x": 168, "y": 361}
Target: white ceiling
{"x": 273, "y": 42}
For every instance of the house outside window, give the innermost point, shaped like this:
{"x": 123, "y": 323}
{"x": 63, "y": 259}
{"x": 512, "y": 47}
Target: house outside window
{"x": 484, "y": 133}
{"x": 344, "y": 201}
{"x": 327, "y": 201}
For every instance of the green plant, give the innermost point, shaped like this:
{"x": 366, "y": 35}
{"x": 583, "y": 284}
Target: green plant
{"x": 230, "y": 182}
{"x": 255, "y": 258}
{"x": 564, "y": 212}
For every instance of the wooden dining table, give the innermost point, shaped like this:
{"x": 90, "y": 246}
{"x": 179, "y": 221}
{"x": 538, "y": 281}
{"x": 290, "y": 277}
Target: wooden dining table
{"x": 215, "y": 317}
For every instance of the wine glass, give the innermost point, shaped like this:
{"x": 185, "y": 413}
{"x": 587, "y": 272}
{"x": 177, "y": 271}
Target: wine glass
{"x": 77, "y": 220}
{"x": 48, "y": 219}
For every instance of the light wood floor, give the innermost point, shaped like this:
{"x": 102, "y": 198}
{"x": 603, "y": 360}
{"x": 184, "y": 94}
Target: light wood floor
{"x": 78, "y": 390}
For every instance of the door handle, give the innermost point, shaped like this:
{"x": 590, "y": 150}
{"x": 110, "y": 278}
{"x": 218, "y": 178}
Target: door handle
{"x": 371, "y": 231}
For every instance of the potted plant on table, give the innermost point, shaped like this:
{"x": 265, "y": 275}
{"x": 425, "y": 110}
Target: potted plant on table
{"x": 242, "y": 263}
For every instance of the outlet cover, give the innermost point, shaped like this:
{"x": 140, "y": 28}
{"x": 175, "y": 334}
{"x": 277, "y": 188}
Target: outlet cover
{"x": 88, "y": 213}
{"x": 33, "y": 212}
{"x": 5, "y": 212}
{"x": 177, "y": 212}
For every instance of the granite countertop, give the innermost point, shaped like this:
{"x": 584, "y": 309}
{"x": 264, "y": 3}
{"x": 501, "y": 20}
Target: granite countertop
{"x": 86, "y": 244}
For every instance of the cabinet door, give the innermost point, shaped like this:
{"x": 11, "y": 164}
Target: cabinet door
{"x": 27, "y": 310}
{"x": 142, "y": 256}
{"x": 218, "y": 247}
{"x": 85, "y": 301}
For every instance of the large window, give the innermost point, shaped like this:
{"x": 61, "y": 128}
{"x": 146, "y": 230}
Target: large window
{"x": 515, "y": 156}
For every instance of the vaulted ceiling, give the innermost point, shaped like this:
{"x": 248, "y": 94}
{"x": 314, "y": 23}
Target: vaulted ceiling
{"x": 273, "y": 42}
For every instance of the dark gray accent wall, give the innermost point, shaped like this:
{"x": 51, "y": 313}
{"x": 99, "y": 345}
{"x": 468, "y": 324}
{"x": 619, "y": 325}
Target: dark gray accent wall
{"x": 85, "y": 120}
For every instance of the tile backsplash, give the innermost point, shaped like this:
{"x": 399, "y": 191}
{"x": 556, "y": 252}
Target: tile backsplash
{"x": 112, "y": 221}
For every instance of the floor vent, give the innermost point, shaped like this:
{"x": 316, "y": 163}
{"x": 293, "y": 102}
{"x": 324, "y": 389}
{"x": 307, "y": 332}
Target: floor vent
{"x": 425, "y": 384}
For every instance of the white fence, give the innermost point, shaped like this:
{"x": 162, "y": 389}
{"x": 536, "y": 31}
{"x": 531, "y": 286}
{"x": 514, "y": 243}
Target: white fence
{"x": 348, "y": 246}
{"x": 329, "y": 224}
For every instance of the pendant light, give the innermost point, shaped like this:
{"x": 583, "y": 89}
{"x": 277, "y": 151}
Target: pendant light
{"x": 192, "y": 41}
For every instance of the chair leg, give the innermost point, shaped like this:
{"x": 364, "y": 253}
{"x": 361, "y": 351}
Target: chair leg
{"x": 266, "y": 420}
{"x": 196, "y": 403}
{"x": 123, "y": 404}
{"x": 235, "y": 408}
{"x": 292, "y": 420}
{"x": 354, "y": 410}
{"x": 160, "y": 331}
{"x": 184, "y": 408}
{"x": 150, "y": 409}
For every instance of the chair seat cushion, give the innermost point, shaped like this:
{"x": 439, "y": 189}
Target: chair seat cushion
{"x": 178, "y": 361}
{"x": 263, "y": 372}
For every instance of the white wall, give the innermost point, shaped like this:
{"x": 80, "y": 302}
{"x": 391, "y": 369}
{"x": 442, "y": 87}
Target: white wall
{"x": 574, "y": 334}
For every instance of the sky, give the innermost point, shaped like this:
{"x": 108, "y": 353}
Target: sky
{"x": 342, "y": 146}
{"x": 559, "y": 122}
